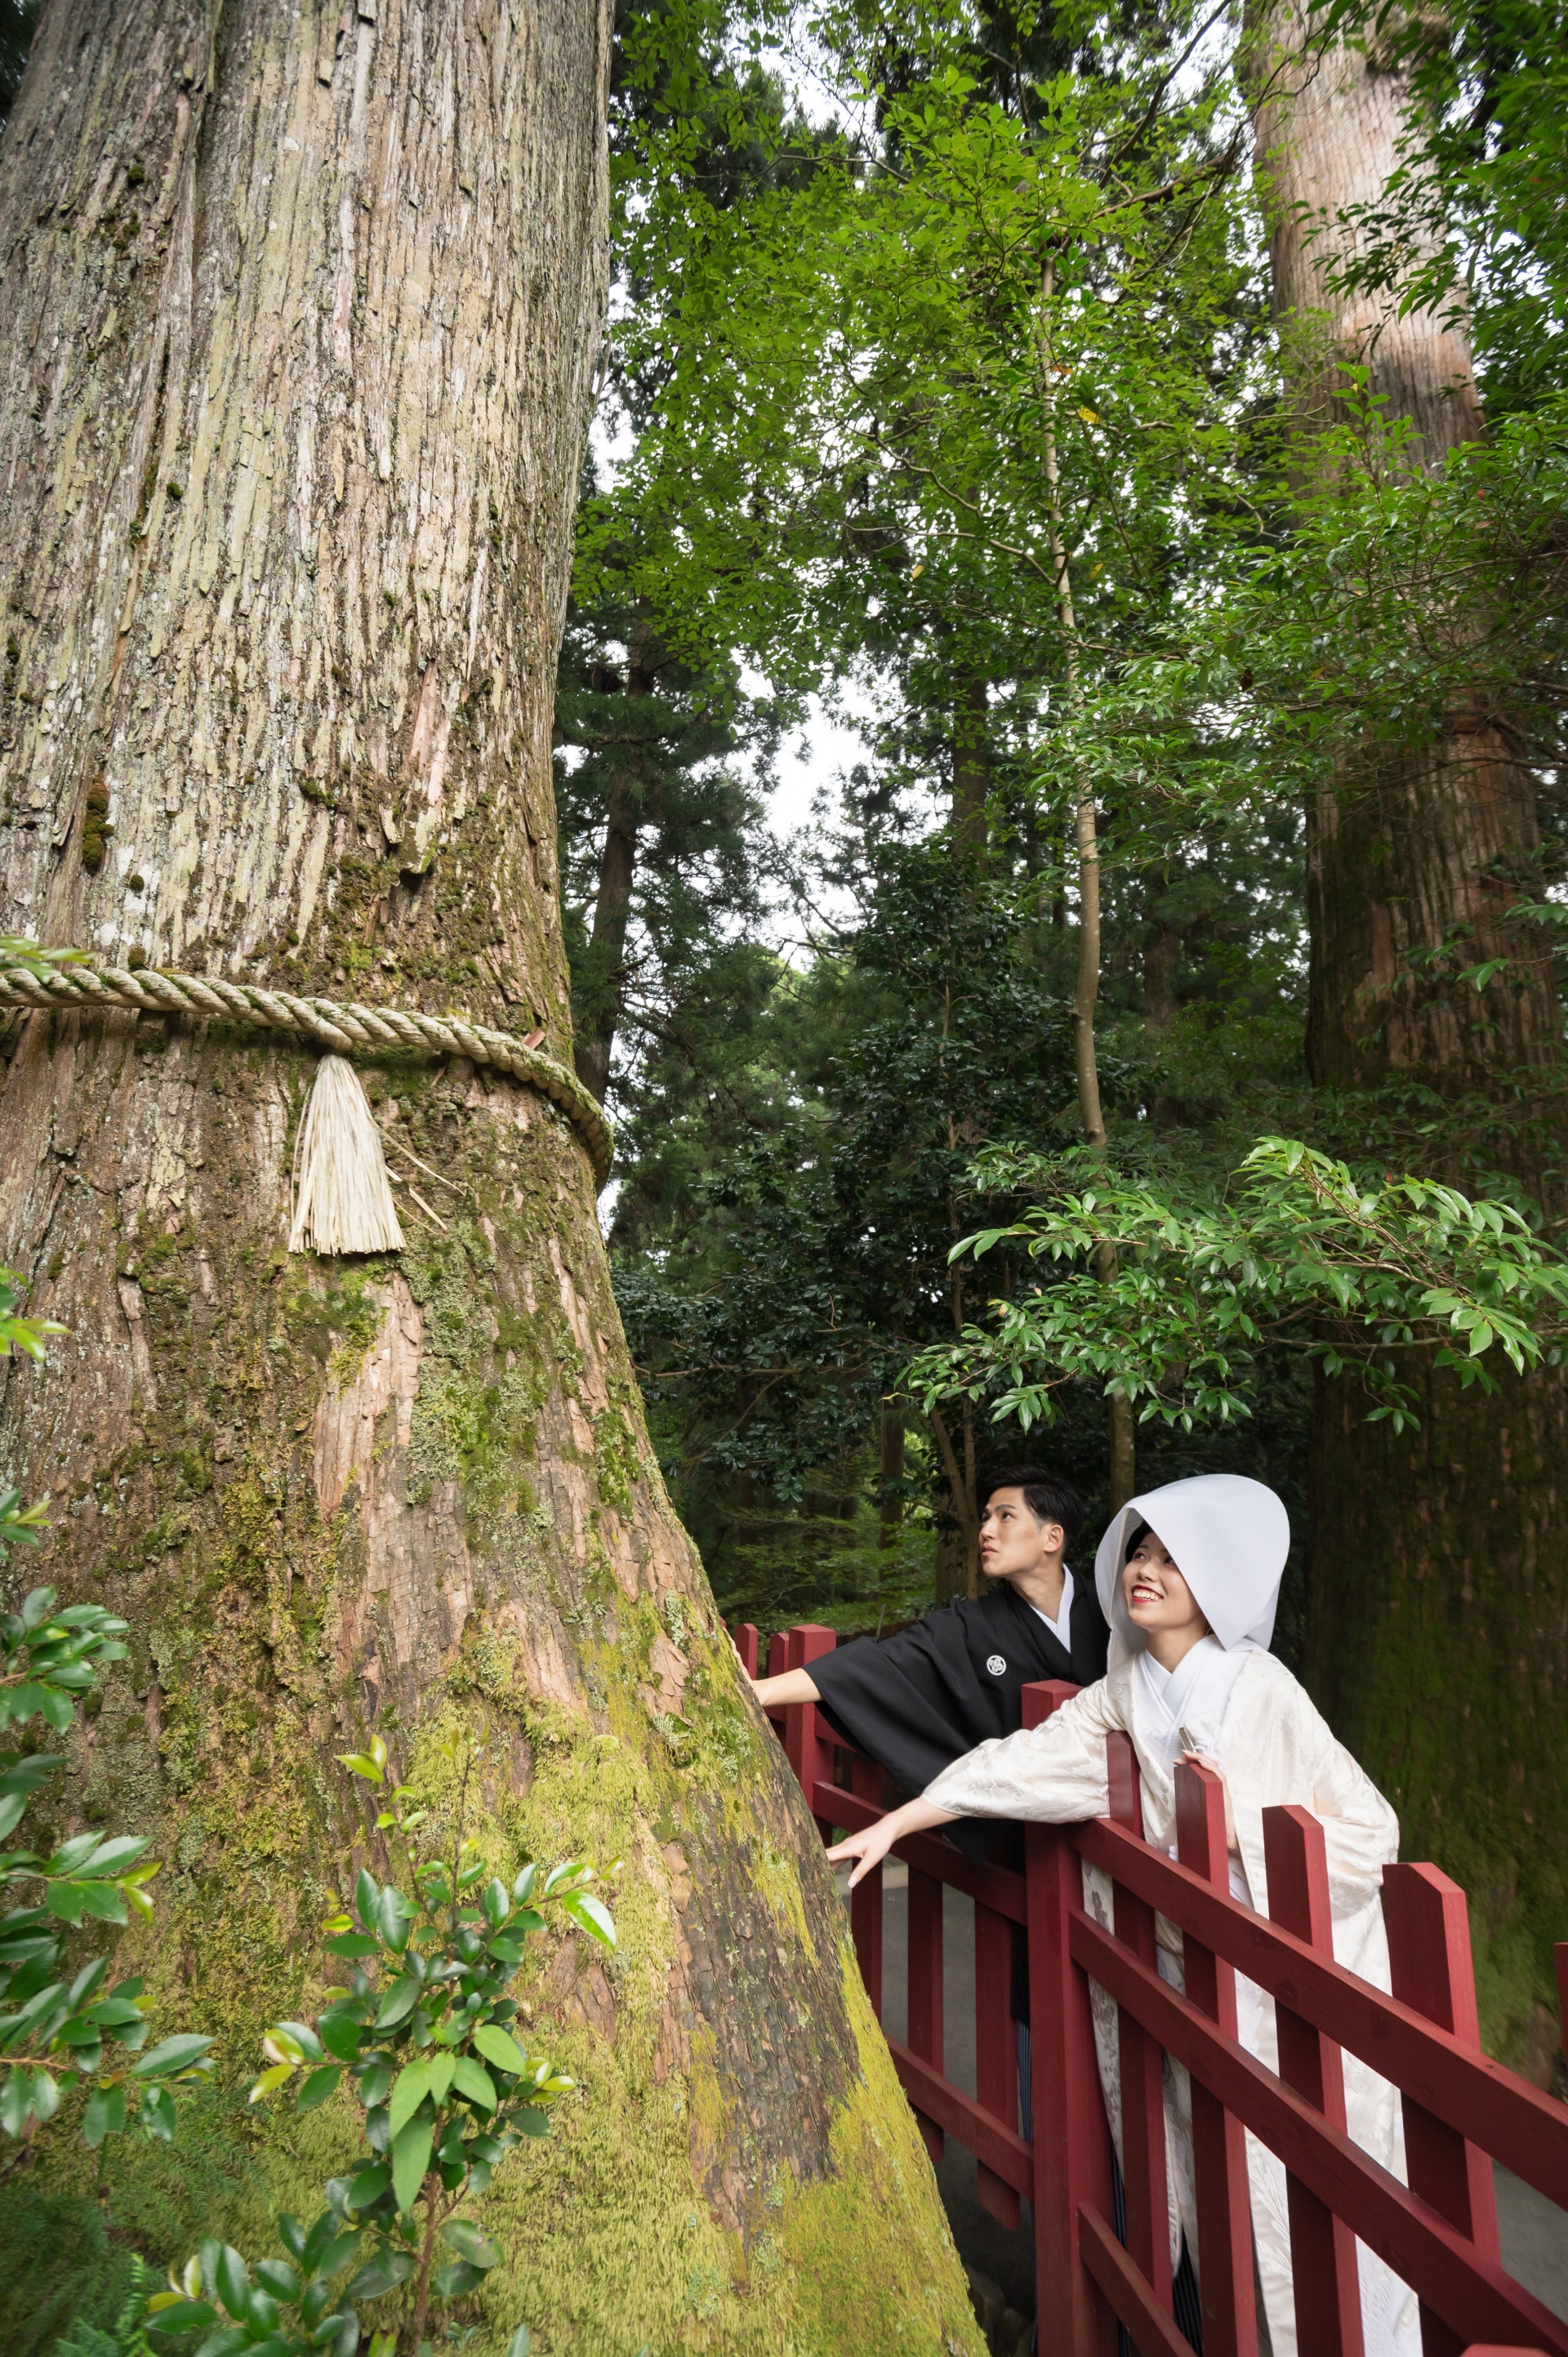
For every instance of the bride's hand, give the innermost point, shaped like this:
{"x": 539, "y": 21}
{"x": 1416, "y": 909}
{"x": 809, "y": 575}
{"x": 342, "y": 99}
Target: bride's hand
{"x": 868, "y": 1848}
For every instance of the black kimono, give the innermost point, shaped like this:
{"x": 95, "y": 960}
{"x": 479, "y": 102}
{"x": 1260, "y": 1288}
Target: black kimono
{"x": 917, "y": 1701}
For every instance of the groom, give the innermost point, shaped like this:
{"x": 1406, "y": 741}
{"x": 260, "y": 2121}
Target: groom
{"x": 917, "y": 1701}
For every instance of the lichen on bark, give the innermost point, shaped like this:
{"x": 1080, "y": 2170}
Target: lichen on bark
{"x": 305, "y": 309}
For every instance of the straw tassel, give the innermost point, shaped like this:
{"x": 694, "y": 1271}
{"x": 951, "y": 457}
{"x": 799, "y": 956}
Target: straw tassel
{"x": 342, "y": 1202}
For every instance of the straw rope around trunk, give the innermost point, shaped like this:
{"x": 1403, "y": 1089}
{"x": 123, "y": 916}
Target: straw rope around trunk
{"x": 154, "y": 990}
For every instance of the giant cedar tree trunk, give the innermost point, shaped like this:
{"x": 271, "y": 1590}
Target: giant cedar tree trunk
{"x": 301, "y": 308}
{"x": 1438, "y": 1624}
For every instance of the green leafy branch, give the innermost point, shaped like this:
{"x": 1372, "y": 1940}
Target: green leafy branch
{"x": 22, "y": 1333}
{"x": 427, "y": 2041}
{"x": 1306, "y": 1257}
{"x": 51, "y": 2028}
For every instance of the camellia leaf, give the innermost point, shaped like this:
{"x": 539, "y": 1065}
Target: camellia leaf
{"x": 381, "y": 2272}
{"x": 233, "y": 2280}
{"x": 592, "y": 1914}
{"x": 409, "y": 2090}
{"x": 410, "y": 2159}
{"x": 466, "y": 2239}
{"x": 471, "y": 2079}
{"x": 495, "y": 2044}
{"x": 317, "y": 2085}
{"x": 172, "y": 2055}
{"x": 341, "y": 2035}
{"x": 105, "y": 2116}
{"x": 398, "y": 2003}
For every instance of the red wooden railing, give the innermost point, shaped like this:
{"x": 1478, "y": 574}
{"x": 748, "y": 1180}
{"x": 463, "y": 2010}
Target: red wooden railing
{"x": 1462, "y": 2111}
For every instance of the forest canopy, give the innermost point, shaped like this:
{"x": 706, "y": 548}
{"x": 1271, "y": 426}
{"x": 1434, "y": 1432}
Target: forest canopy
{"x": 945, "y": 386}
{"x": 1182, "y": 545}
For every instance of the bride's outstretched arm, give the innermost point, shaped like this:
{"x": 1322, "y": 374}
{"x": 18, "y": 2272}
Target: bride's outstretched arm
{"x": 872, "y": 1846}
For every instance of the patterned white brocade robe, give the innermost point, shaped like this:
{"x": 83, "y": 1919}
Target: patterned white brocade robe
{"x": 1275, "y": 1747}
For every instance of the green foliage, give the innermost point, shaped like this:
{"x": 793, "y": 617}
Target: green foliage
{"x": 1472, "y": 223}
{"x": 62, "y": 2275}
{"x": 658, "y": 769}
{"x": 1308, "y": 1256}
{"x": 426, "y": 2040}
{"x": 19, "y": 1525}
{"x": 54, "y": 2027}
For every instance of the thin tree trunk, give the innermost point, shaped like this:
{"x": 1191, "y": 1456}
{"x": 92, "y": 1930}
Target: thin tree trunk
{"x": 303, "y": 310}
{"x": 612, "y": 909}
{"x": 1438, "y": 1617}
{"x": 889, "y": 1476}
{"x": 971, "y": 765}
{"x": 962, "y": 1561}
{"x": 1086, "y": 993}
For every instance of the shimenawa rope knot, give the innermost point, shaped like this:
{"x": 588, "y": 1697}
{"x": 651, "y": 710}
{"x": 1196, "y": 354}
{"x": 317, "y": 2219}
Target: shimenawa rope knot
{"x": 155, "y": 990}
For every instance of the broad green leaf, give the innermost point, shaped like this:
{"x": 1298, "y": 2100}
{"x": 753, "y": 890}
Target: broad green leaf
{"x": 231, "y": 2278}
{"x": 341, "y": 2036}
{"x": 495, "y": 2044}
{"x": 592, "y": 1915}
{"x": 398, "y": 2003}
{"x": 317, "y": 2085}
{"x": 381, "y": 2272}
{"x": 410, "y": 2159}
{"x": 464, "y": 2237}
{"x": 105, "y": 2116}
{"x": 353, "y": 1943}
{"x": 172, "y": 2055}
{"x": 409, "y": 2090}
{"x": 470, "y": 2078}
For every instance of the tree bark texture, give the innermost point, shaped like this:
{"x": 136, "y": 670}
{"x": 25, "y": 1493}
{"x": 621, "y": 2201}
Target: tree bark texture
{"x": 302, "y": 307}
{"x": 1438, "y": 1617}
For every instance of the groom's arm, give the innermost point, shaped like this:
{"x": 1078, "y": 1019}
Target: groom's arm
{"x": 790, "y": 1686}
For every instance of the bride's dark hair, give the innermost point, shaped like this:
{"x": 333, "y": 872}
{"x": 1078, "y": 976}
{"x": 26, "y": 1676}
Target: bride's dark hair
{"x": 1139, "y": 1531}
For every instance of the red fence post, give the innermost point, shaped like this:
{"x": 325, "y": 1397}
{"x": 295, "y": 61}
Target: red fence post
{"x": 778, "y": 1653}
{"x": 807, "y": 1744}
{"x": 743, "y": 1637}
{"x": 995, "y": 2049}
{"x": 1218, "y": 2140}
{"x": 1429, "y": 1956}
{"x": 925, "y": 1987}
{"x": 1322, "y": 2247}
{"x": 1072, "y": 2143}
{"x": 866, "y": 1899}
{"x": 1141, "y": 2059}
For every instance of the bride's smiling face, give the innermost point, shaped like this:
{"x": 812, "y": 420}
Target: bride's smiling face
{"x": 1158, "y": 1599}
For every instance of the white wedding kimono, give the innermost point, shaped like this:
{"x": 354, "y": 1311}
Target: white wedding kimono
{"x": 1244, "y": 1709}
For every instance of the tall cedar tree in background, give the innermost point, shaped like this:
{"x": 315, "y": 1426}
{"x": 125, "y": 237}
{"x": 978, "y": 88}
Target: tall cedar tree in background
{"x": 1438, "y": 1626}
{"x": 302, "y": 324}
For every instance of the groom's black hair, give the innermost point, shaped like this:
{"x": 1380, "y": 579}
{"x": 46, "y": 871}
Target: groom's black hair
{"x": 1049, "y": 1498}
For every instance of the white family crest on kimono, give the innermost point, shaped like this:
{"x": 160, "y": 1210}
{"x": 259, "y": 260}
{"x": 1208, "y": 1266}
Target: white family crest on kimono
{"x": 1228, "y": 1538}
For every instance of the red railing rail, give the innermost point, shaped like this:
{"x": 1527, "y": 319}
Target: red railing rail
{"x": 1462, "y": 2111}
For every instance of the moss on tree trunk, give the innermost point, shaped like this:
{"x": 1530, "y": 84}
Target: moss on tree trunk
{"x": 304, "y": 306}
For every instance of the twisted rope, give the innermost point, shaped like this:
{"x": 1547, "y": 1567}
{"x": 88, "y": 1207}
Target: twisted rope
{"x": 155, "y": 990}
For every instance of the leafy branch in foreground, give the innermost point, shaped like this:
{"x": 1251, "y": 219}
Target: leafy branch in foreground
{"x": 426, "y": 2038}
{"x": 1304, "y": 1256}
{"x": 52, "y": 2028}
